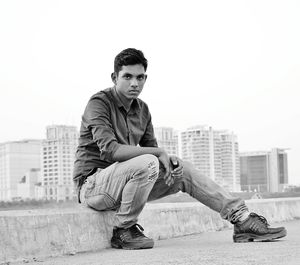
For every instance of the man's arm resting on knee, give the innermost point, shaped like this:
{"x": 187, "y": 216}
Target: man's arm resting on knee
{"x": 126, "y": 152}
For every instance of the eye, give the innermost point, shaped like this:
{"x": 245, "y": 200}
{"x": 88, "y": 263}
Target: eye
{"x": 141, "y": 77}
{"x": 127, "y": 77}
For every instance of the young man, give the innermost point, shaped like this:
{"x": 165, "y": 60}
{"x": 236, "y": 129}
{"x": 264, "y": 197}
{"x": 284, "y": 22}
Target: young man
{"x": 120, "y": 167}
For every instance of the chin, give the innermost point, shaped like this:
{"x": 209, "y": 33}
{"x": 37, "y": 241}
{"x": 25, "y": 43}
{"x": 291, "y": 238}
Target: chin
{"x": 133, "y": 96}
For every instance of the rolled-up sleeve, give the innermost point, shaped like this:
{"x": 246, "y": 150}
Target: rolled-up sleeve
{"x": 96, "y": 119}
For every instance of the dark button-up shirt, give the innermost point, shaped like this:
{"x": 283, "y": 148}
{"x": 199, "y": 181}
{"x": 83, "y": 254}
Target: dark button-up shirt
{"x": 105, "y": 126}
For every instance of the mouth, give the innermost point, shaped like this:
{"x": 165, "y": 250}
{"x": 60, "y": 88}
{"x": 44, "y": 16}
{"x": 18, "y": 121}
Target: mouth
{"x": 134, "y": 91}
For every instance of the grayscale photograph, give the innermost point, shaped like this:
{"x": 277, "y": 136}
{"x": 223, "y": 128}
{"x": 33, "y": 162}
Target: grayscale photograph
{"x": 149, "y": 132}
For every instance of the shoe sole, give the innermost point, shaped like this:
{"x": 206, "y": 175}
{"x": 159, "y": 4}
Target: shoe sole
{"x": 248, "y": 237}
{"x": 115, "y": 243}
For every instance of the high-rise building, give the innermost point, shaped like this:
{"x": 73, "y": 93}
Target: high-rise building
{"x": 167, "y": 139}
{"x": 214, "y": 153}
{"x": 57, "y": 162}
{"x": 16, "y": 159}
{"x": 230, "y": 161}
{"x": 264, "y": 170}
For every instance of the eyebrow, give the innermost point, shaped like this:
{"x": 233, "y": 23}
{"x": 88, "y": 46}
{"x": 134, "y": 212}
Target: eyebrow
{"x": 133, "y": 75}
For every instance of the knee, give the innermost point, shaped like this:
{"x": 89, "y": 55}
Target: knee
{"x": 150, "y": 161}
{"x": 149, "y": 165}
{"x": 148, "y": 158}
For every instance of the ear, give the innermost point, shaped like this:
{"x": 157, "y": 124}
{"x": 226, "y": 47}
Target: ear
{"x": 114, "y": 77}
{"x": 146, "y": 77}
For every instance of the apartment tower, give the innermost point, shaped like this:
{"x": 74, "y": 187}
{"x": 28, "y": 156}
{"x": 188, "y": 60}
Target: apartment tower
{"x": 16, "y": 159}
{"x": 214, "y": 153}
{"x": 57, "y": 162}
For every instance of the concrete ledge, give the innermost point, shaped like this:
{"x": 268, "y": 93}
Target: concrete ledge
{"x": 44, "y": 233}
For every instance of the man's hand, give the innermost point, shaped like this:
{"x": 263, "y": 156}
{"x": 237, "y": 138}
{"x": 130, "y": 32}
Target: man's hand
{"x": 173, "y": 167}
{"x": 177, "y": 167}
{"x": 166, "y": 163}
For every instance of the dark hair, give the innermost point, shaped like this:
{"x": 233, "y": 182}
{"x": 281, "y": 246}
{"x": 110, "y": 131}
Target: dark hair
{"x": 129, "y": 56}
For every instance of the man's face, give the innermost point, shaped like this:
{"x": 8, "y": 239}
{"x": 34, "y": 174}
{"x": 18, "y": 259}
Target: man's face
{"x": 130, "y": 81}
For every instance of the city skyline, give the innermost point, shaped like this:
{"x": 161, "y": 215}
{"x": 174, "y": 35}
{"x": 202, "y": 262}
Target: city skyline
{"x": 46, "y": 167}
{"x": 178, "y": 136}
{"x": 232, "y": 64}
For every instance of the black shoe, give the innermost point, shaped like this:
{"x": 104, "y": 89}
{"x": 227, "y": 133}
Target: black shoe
{"x": 131, "y": 238}
{"x": 256, "y": 227}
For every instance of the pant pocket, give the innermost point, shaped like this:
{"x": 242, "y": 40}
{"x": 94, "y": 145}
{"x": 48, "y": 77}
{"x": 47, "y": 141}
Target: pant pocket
{"x": 100, "y": 202}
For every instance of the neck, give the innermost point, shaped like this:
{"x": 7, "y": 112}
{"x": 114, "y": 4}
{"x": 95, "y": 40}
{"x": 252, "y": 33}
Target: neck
{"x": 126, "y": 102}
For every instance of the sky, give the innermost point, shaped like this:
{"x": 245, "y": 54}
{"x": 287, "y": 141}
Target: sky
{"x": 231, "y": 65}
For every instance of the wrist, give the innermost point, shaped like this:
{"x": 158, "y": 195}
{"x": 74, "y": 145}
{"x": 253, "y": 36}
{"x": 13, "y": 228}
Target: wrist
{"x": 161, "y": 151}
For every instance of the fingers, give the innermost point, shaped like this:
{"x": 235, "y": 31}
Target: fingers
{"x": 167, "y": 169}
{"x": 178, "y": 172}
{"x": 177, "y": 166}
{"x": 169, "y": 180}
{"x": 173, "y": 167}
{"x": 174, "y": 161}
{"x": 165, "y": 162}
{"x": 168, "y": 177}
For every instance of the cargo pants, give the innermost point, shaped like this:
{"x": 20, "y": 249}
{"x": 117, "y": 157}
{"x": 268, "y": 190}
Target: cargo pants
{"x": 126, "y": 187}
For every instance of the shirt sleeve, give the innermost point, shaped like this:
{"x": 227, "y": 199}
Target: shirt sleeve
{"x": 148, "y": 139}
{"x": 96, "y": 119}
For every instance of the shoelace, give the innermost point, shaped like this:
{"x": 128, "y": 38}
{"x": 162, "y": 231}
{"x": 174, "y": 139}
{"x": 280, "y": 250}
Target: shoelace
{"x": 125, "y": 236}
{"x": 261, "y": 218}
{"x": 137, "y": 231}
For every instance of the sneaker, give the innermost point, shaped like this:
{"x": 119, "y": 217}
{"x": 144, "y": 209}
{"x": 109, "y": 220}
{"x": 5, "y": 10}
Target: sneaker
{"x": 256, "y": 227}
{"x": 131, "y": 238}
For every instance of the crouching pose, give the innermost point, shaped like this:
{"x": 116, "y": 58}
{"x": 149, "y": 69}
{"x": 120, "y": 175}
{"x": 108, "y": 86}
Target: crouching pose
{"x": 120, "y": 167}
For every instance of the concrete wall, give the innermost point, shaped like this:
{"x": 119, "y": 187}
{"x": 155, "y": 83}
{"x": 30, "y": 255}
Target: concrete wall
{"x": 44, "y": 233}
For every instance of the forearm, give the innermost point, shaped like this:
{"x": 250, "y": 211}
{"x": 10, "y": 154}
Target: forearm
{"x": 126, "y": 152}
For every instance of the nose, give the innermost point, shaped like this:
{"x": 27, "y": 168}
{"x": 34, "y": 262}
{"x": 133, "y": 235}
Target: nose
{"x": 134, "y": 82}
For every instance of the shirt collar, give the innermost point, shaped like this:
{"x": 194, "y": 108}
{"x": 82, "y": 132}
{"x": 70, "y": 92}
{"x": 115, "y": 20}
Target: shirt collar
{"x": 135, "y": 106}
